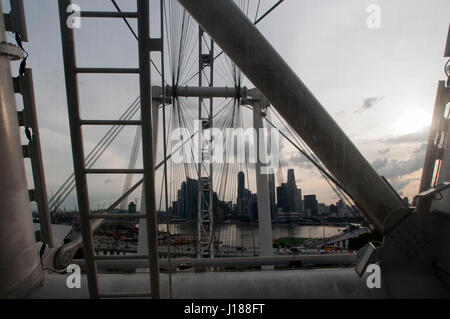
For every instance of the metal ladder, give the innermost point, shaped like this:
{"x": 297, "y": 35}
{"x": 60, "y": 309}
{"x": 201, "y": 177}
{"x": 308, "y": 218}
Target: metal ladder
{"x": 205, "y": 215}
{"x": 23, "y": 85}
{"x": 71, "y": 71}
{"x": 438, "y": 130}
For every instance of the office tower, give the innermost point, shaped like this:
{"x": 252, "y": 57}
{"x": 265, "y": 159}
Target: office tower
{"x": 271, "y": 180}
{"x": 291, "y": 192}
{"x": 188, "y": 199}
{"x": 291, "y": 177}
{"x": 254, "y": 207}
{"x": 282, "y": 201}
{"x": 132, "y": 208}
{"x": 241, "y": 185}
{"x": 298, "y": 201}
{"x": 311, "y": 205}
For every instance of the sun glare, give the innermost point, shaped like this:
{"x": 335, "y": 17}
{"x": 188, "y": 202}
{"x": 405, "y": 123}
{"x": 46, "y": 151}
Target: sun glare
{"x": 412, "y": 121}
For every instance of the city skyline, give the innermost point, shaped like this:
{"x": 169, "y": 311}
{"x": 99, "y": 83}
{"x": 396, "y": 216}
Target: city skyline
{"x": 362, "y": 86}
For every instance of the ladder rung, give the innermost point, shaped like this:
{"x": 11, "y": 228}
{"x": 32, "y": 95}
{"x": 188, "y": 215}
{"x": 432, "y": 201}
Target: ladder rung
{"x": 107, "y": 70}
{"x": 116, "y": 216}
{"x": 104, "y": 14}
{"x": 120, "y": 257}
{"x": 124, "y": 294}
{"x": 110, "y": 122}
{"x": 113, "y": 171}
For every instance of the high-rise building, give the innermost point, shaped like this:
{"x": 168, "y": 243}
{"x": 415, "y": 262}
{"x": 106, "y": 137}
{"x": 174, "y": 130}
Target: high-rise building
{"x": 291, "y": 191}
{"x": 132, "y": 208}
{"x": 289, "y": 197}
{"x": 254, "y": 207}
{"x": 282, "y": 201}
{"x": 241, "y": 185}
{"x": 311, "y": 205}
{"x": 273, "y": 209}
{"x": 291, "y": 177}
{"x": 244, "y": 205}
{"x": 188, "y": 199}
{"x": 298, "y": 201}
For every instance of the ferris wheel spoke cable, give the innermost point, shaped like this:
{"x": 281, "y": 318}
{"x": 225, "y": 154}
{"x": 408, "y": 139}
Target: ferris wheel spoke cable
{"x": 68, "y": 186}
{"x": 255, "y": 23}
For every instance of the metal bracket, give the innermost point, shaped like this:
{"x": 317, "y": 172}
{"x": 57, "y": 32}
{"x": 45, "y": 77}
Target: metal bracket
{"x": 7, "y": 19}
{"x": 367, "y": 254}
{"x": 21, "y": 118}
{"x": 155, "y": 44}
{"x": 205, "y": 59}
{"x": 439, "y": 153}
{"x": 17, "y": 85}
{"x": 433, "y": 190}
{"x": 26, "y": 151}
{"x": 32, "y": 195}
{"x": 15, "y": 20}
{"x": 11, "y": 50}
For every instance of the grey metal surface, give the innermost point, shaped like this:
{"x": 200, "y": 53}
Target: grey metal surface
{"x": 447, "y": 46}
{"x": 19, "y": 262}
{"x": 29, "y": 109}
{"x": 18, "y": 18}
{"x": 259, "y": 61}
{"x": 436, "y": 130}
{"x": 320, "y": 283}
{"x": 344, "y": 259}
{"x": 262, "y": 182}
{"x": 143, "y": 23}
{"x": 206, "y": 91}
{"x": 142, "y": 235}
{"x": 70, "y": 73}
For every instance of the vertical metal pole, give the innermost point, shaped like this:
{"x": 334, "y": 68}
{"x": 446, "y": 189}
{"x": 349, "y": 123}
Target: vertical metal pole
{"x": 142, "y": 236}
{"x": 262, "y": 187}
{"x": 200, "y": 138}
{"x": 76, "y": 137}
{"x": 166, "y": 191}
{"x": 435, "y": 129}
{"x": 147, "y": 140}
{"x": 36, "y": 158}
{"x": 19, "y": 263}
{"x": 211, "y": 188}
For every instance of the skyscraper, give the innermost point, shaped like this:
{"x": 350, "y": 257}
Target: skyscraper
{"x": 291, "y": 177}
{"x": 282, "y": 201}
{"x": 244, "y": 195}
{"x": 292, "y": 192}
{"x": 241, "y": 185}
{"x": 273, "y": 209}
{"x": 289, "y": 197}
{"x": 311, "y": 205}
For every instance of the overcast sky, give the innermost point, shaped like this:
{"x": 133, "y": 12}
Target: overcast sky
{"x": 379, "y": 84}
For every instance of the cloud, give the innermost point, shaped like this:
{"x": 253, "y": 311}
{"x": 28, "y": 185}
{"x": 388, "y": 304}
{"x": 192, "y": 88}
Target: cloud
{"x": 395, "y": 170}
{"x": 296, "y": 159}
{"x": 415, "y": 137}
{"x": 369, "y": 103}
{"x": 384, "y": 152}
{"x": 398, "y": 184}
